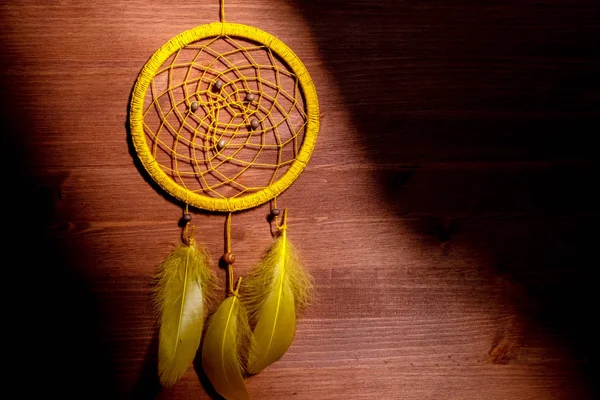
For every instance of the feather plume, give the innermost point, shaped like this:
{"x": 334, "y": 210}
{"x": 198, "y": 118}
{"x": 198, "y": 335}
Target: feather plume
{"x": 224, "y": 348}
{"x": 274, "y": 292}
{"x": 185, "y": 288}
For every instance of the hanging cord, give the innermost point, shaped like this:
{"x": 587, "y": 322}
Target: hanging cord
{"x": 229, "y": 259}
{"x": 274, "y": 210}
{"x": 222, "y": 11}
{"x": 274, "y": 218}
{"x": 186, "y": 236}
{"x": 283, "y": 225}
{"x": 228, "y": 233}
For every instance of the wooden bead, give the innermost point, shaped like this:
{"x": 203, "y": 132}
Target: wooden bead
{"x": 254, "y": 123}
{"x": 250, "y": 97}
{"x": 194, "y": 106}
{"x": 218, "y": 85}
{"x": 229, "y": 258}
{"x": 221, "y": 144}
{"x": 187, "y": 217}
{"x": 275, "y": 211}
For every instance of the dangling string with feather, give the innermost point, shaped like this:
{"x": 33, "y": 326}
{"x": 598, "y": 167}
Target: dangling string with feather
{"x": 185, "y": 288}
{"x": 274, "y": 292}
{"x": 228, "y": 336}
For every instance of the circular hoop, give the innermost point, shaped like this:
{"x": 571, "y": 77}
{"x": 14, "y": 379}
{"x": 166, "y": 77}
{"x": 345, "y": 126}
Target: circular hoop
{"x": 208, "y": 31}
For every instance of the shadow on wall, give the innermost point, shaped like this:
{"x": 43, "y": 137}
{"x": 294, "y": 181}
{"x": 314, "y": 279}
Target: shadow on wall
{"x": 53, "y": 325}
{"x": 480, "y": 119}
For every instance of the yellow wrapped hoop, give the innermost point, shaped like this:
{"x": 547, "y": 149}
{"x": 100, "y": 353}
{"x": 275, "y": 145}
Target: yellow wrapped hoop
{"x": 137, "y": 118}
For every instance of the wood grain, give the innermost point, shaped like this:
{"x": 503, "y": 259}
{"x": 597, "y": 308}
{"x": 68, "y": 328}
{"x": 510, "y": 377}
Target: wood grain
{"x": 449, "y": 214}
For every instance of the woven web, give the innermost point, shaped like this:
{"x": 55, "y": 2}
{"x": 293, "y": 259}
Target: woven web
{"x": 229, "y": 141}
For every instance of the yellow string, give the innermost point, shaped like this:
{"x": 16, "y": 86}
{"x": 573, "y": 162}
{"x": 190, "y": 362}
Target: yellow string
{"x": 231, "y": 290}
{"x": 222, "y": 10}
{"x": 228, "y": 233}
{"x": 188, "y": 238}
{"x": 274, "y": 206}
{"x": 283, "y": 225}
{"x": 193, "y": 139}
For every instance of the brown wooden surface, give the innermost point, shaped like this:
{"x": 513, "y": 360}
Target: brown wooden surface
{"x": 449, "y": 214}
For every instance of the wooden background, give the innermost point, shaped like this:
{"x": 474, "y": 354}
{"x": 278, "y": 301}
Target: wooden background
{"x": 450, "y": 214}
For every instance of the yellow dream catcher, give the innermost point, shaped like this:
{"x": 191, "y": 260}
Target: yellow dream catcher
{"x": 224, "y": 117}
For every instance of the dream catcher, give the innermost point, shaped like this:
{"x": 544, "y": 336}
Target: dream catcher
{"x": 224, "y": 118}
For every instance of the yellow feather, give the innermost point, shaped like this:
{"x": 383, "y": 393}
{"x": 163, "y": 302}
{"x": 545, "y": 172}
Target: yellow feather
{"x": 185, "y": 286}
{"x": 273, "y": 293}
{"x": 224, "y": 349}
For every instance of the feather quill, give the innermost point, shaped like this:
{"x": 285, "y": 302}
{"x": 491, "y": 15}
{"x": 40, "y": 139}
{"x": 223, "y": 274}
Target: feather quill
{"x": 224, "y": 349}
{"x": 274, "y": 292}
{"x": 185, "y": 288}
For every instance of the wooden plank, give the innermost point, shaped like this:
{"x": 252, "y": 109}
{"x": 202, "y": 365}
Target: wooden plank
{"x": 449, "y": 214}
